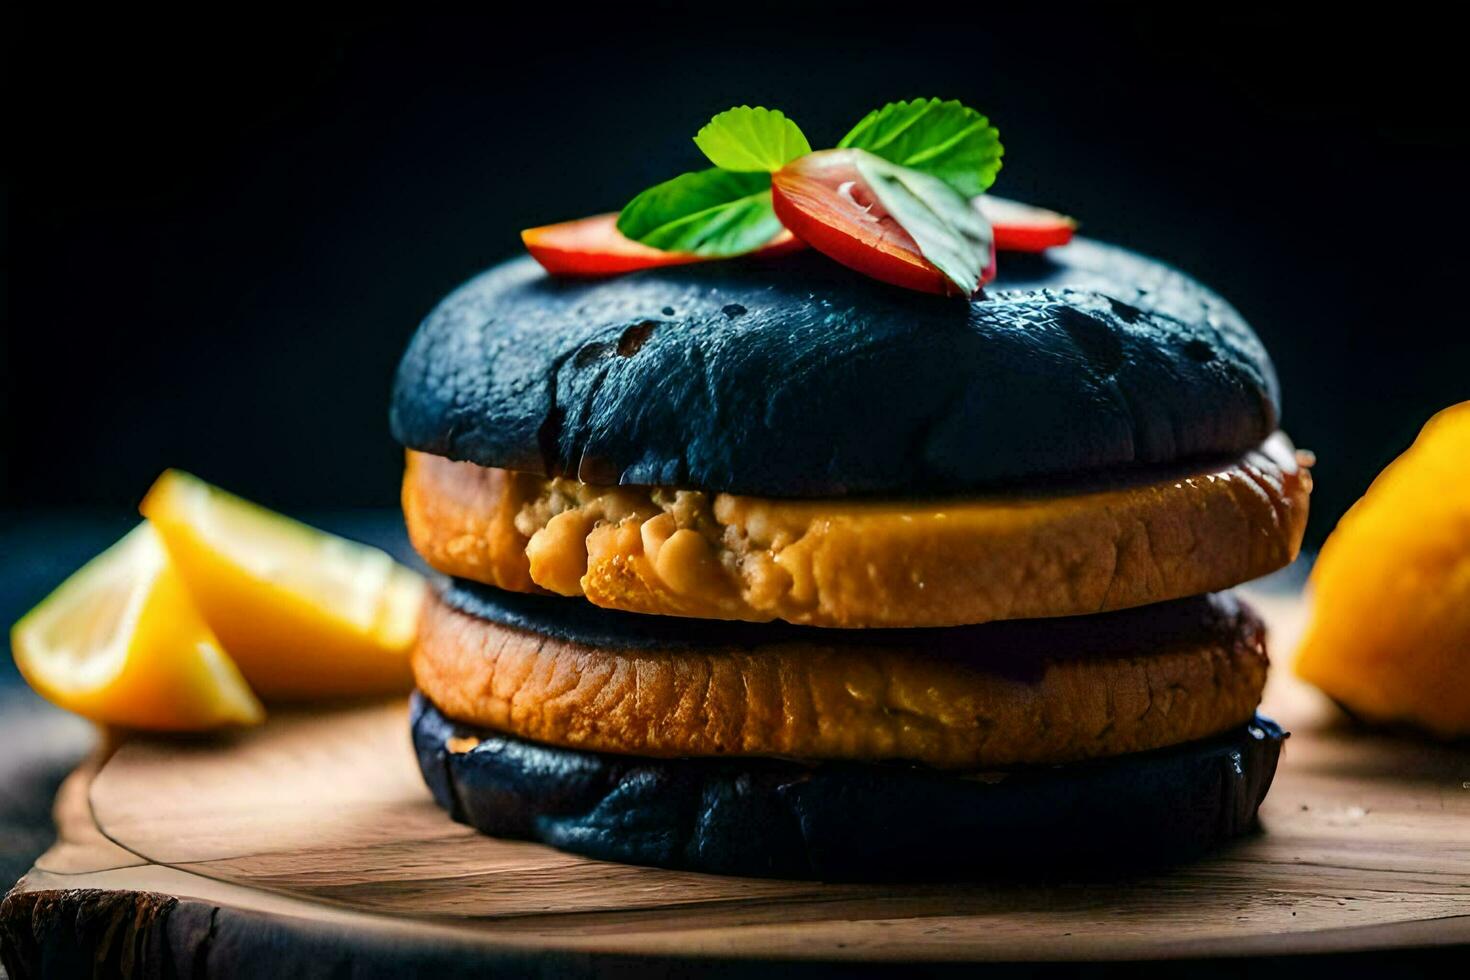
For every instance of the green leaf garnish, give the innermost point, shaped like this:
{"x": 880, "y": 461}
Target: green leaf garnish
{"x": 707, "y": 212}
{"x": 751, "y": 140}
{"x": 946, "y": 139}
{"x": 922, "y": 160}
{"x": 949, "y": 232}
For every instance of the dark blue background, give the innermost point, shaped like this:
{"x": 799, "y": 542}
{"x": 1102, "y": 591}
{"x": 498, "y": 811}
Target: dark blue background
{"x": 219, "y": 233}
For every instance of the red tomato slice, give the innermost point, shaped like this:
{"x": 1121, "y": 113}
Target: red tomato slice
{"x": 825, "y": 201}
{"x": 593, "y": 247}
{"x": 1023, "y": 227}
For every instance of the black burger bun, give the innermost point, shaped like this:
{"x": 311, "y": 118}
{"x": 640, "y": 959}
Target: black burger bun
{"x": 862, "y": 821}
{"x": 800, "y": 378}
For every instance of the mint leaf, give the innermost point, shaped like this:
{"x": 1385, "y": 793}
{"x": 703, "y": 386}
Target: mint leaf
{"x": 751, "y": 140}
{"x": 949, "y": 232}
{"x": 946, "y": 139}
{"x": 707, "y": 212}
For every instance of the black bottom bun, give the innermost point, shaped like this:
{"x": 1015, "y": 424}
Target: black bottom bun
{"x": 834, "y": 821}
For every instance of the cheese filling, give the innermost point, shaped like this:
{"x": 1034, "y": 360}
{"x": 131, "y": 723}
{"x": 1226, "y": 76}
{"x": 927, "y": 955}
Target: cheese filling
{"x": 855, "y": 563}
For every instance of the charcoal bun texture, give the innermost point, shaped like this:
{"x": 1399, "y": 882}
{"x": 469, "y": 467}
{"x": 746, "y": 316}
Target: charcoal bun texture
{"x": 851, "y": 821}
{"x": 800, "y": 378}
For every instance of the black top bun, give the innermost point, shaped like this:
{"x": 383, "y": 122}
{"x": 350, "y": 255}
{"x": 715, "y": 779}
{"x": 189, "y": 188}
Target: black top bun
{"x": 799, "y": 378}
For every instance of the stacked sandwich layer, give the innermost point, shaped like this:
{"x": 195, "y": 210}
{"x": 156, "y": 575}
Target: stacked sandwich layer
{"x": 781, "y": 571}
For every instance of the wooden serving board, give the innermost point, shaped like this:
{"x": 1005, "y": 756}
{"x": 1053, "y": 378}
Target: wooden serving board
{"x": 314, "y": 837}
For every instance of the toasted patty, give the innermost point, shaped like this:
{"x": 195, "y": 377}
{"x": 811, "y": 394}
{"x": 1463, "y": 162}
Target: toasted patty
{"x": 1006, "y": 694}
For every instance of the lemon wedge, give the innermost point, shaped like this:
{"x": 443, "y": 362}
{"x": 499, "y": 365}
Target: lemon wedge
{"x": 1390, "y": 631}
{"x": 304, "y": 613}
{"x": 120, "y": 643}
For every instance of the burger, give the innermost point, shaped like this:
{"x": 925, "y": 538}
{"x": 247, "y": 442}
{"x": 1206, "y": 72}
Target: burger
{"x": 800, "y": 574}
{"x": 766, "y": 567}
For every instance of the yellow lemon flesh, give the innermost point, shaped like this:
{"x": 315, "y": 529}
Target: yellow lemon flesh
{"x": 120, "y": 643}
{"x": 1390, "y": 630}
{"x": 304, "y": 613}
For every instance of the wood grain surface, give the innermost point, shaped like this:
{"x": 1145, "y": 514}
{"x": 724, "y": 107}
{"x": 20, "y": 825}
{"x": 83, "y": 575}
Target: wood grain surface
{"x": 319, "y": 823}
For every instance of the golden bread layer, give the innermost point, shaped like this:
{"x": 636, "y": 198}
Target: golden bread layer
{"x": 976, "y": 698}
{"x": 862, "y": 563}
